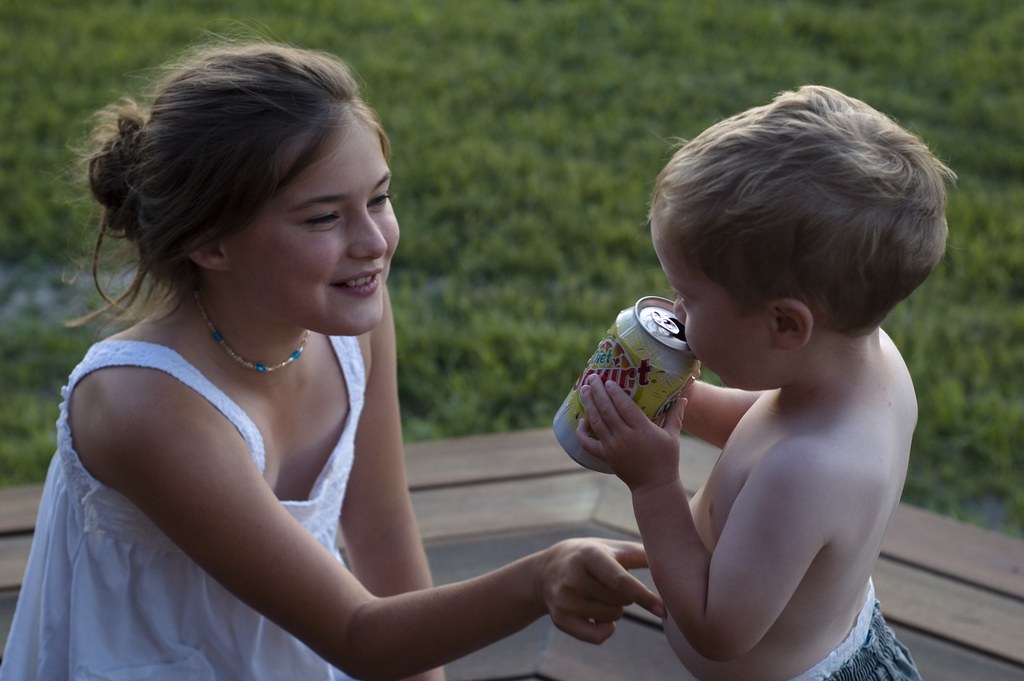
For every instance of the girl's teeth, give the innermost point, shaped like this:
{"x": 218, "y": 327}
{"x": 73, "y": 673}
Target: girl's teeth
{"x": 358, "y": 282}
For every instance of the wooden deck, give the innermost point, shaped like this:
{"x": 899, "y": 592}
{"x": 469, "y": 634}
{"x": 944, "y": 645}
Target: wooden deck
{"x": 953, "y": 593}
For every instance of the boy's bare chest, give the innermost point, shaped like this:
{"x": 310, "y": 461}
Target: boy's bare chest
{"x": 737, "y": 463}
{"x": 716, "y": 497}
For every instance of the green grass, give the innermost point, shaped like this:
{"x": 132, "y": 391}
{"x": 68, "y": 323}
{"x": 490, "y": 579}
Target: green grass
{"x": 526, "y": 137}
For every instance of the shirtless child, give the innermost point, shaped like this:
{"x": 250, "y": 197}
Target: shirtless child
{"x": 789, "y": 232}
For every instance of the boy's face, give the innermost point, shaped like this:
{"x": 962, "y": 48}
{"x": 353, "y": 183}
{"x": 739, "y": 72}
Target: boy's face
{"x": 723, "y": 339}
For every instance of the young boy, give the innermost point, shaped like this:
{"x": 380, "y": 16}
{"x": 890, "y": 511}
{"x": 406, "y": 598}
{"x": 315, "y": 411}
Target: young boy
{"x": 789, "y": 232}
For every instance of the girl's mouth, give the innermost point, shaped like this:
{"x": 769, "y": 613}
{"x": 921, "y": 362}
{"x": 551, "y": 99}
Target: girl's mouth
{"x": 361, "y": 281}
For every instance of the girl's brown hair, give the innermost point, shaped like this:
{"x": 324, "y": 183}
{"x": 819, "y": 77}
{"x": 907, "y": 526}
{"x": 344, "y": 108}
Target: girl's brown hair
{"x": 228, "y": 127}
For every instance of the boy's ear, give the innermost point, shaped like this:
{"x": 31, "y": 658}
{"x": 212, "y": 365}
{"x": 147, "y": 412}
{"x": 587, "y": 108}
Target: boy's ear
{"x": 209, "y": 256}
{"x": 791, "y": 323}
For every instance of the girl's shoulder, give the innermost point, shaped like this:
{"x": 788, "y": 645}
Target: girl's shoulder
{"x": 129, "y": 400}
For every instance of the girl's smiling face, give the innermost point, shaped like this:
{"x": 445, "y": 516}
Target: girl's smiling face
{"x": 318, "y": 254}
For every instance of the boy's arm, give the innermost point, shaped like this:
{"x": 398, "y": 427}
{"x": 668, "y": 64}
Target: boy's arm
{"x": 712, "y": 412}
{"x": 724, "y": 601}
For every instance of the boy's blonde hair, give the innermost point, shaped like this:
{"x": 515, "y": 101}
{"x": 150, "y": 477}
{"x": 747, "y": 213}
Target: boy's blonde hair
{"x": 815, "y": 196}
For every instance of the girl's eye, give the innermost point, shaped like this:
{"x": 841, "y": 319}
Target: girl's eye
{"x": 323, "y": 220}
{"x": 378, "y": 201}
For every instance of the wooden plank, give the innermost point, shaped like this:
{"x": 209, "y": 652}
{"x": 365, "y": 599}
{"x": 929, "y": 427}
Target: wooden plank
{"x": 19, "y": 506}
{"x": 636, "y": 652}
{"x": 970, "y": 553}
{"x": 615, "y": 508}
{"x": 950, "y": 609}
{"x": 521, "y": 454}
{"x": 8, "y": 600}
{"x": 940, "y": 660}
{"x": 454, "y": 560}
{"x": 460, "y": 462}
{"x": 515, "y": 657}
{"x": 14, "y": 551}
{"x": 504, "y": 506}
{"x": 696, "y": 459}
{"x": 486, "y": 457}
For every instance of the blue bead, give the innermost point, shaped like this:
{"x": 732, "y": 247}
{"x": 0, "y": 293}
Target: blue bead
{"x": 261, "y": 367}
{"x": 217, "y": 337}
{"x": 295, "y": 355}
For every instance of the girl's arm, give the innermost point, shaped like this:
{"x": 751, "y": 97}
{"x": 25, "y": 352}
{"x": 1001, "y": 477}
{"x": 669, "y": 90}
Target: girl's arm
{"x": 381, "y": 535}
{"x": 173, "y": 455}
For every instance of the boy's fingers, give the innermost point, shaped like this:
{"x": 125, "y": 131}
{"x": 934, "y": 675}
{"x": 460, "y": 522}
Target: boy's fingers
{"x": 674, "y": 421}
{"x": 625, "y": 408}
{"x": 591, "y": 397}
{"x": 615, "y": 405}
{"x": 595, "y": 412}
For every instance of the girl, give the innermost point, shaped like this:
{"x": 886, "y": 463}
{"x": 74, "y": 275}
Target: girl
{"x": 188, "y": 523}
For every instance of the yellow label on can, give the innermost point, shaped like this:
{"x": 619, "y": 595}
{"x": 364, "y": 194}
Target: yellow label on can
{"x": 651, "y": 388}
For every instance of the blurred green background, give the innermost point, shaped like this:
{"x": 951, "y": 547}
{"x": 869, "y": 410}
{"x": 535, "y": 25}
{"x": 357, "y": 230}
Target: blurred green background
{"x": 526, "y": 136}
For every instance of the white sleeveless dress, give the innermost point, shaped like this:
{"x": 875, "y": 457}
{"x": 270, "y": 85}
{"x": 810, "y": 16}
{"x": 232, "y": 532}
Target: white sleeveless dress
{"x": 107, "y": 596}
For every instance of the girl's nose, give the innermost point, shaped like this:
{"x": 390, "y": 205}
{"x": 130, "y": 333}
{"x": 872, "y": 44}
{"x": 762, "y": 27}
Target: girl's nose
{"x": 370, "y": 241}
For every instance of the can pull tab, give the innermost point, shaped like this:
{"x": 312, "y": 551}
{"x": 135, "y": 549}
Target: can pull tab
{"x": 665, "y": 324}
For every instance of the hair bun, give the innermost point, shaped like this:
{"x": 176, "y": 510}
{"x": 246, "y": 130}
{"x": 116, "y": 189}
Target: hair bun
{"x": 112, "y": 167}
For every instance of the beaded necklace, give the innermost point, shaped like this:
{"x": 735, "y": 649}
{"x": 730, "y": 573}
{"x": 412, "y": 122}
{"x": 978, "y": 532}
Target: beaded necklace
{"x": 262, "y": 368}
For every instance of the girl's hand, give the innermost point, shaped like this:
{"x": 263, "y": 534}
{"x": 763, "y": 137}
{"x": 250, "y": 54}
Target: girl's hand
{"x": 618, "y": 432}
{"x": 585, "y": 585}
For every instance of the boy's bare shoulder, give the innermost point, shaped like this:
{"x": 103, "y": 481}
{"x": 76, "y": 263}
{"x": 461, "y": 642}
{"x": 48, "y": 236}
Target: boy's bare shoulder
{"x": 821, "y": 461}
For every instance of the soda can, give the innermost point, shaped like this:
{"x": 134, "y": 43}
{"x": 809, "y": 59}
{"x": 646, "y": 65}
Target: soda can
{"x": 646, "y": 353}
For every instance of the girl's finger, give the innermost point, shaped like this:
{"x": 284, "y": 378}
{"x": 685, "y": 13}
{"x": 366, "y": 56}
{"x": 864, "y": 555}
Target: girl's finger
{"x": 624, "y": 588}
{"x": 585, "y": 629}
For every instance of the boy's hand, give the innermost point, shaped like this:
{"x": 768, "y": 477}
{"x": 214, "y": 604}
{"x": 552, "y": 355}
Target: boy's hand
{"x": 618, "y": 432}
{"x": 586, "y": 585}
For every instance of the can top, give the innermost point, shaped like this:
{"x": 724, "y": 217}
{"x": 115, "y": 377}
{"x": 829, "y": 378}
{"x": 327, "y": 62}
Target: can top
{"x": 656, "y": 317}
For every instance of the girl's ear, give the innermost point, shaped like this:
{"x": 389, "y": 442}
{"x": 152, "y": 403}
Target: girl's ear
{"x": 210, "y": 256}
{"x": 791, "y": 323}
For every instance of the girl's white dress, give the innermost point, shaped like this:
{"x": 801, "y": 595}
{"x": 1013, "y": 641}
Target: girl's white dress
{"x": 107, "y": 596}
